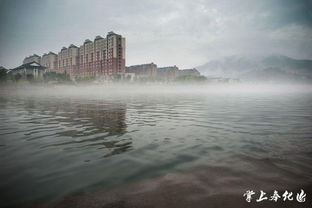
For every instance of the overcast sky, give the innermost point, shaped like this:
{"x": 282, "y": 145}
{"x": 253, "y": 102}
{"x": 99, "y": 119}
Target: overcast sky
{"x": 185, "y": 33}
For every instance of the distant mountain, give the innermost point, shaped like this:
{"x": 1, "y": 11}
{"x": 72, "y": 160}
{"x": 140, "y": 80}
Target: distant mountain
{"x": 261, "y": 68}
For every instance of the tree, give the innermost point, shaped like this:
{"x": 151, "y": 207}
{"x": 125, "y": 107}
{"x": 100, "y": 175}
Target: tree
{"x": 190, "y": 78}
{"x": 50, "y": 76}
{"x": 30, "y": 77}
{"x": 117, "y": 77}
{"x": 3, "y": 74}
{"x": 17, "y": 77}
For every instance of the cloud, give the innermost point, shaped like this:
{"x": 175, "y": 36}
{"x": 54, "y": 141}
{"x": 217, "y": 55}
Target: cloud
{"x": 167, "y": 32}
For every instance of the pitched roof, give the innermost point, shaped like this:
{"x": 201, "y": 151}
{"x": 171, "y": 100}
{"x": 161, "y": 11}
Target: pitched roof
{"x": 3, "y": 69}
{"x": 87, "y": 41}
{"x": 98, "y": 37}
{"x": 31, "y": 65}
{"x": 72, "y": 46}
{"x": 168, "y": 68}
{"x": 189, "y": 70}
{"x": 111, "y": 33}
{"x": 51, "y": 53}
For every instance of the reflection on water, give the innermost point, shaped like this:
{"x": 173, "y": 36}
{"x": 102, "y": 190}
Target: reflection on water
{"x": 52, "y": 146}
{"x": 43, "y": 140}
{"x": 85, "y": 124}
{"x": 71, "y": 124}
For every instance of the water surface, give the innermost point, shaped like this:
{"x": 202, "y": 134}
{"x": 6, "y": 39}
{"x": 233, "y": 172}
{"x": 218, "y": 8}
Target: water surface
{"x": 55, "y": 144}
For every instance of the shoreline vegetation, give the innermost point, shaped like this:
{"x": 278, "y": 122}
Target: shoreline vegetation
{"x": 59, "y": 84}
{"x": 52, "y": 78}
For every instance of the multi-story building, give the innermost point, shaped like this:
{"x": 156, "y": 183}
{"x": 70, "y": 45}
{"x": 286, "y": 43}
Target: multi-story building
{"x": 49, "y": 61}
{"x": 32, "y": 58}
{"x": 115, "y": 53}
{"x": 168, "y": 73}
{"x": 189, "y": 72}
{"x": 143, "y": 70}
{"x": 86, "y": 53}
{"x": 62, "y": 58}
{"x": 163, "y": 73}
{"x": 68, "y": 60}
{"x": 101, "y": 57}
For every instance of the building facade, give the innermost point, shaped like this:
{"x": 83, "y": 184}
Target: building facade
{"x": 143, "y": 70}
{"x": 103, "y": 57}
{"x": 29, "y": 71}
{"x": 32, "y": 58}
{"x": 168, "y": 73}
{"x": 49, "y": 61}
{"x": 189, "y": 72}
{"x": 68, "y": 60}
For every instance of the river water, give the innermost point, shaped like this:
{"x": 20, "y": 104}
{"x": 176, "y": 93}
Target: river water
{"x": 61, "y": 142}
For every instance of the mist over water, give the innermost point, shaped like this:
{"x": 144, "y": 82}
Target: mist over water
{"x": 207, "y": 139}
